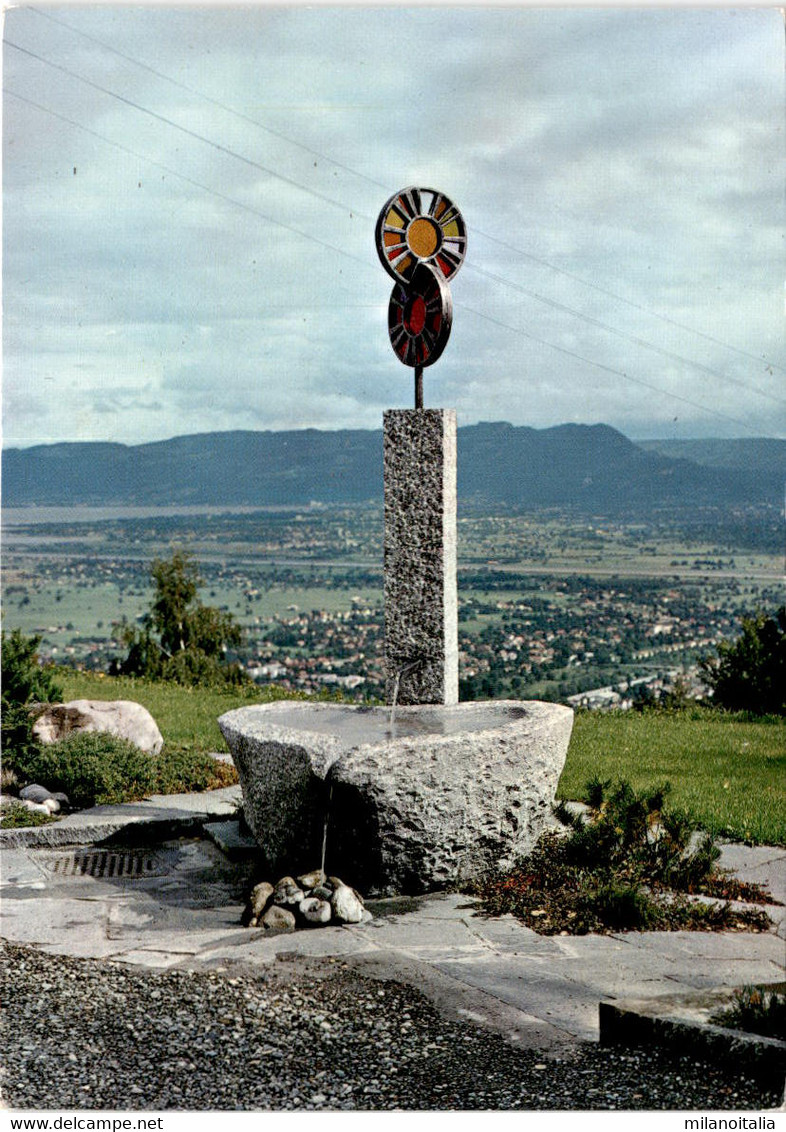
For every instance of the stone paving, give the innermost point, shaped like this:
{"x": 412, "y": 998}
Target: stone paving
{"x": 537, "y": 990}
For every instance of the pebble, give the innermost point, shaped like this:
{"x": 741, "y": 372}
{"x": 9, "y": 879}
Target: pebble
{"x": 278, "y": 1056}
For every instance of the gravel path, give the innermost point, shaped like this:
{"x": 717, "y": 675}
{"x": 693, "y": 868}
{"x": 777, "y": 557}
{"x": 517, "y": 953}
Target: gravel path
{"x": 87, "y": 1034}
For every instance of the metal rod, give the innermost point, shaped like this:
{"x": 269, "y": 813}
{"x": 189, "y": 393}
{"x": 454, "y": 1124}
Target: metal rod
{"x": 418, "y": 387}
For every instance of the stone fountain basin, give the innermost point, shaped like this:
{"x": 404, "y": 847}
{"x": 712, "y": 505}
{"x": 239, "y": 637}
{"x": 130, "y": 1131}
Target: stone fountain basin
{"x": 439, "y": 795}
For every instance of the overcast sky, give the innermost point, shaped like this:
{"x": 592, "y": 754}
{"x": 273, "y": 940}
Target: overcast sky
{"x": 190, "y": 198}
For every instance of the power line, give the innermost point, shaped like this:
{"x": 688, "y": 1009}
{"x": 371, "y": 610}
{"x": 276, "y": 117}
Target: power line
{"x": 189, "y": 180}
{"x": 379, "y": 184}
{"x": 213, "y": 101}
{"x": 184, "y": 130}
{"x": 342, "y": 251}
{"x": 609, "y": 369}
{"x": 340, "y": 205}
{"x": 629, "y": 302}
{"x": 623, "y": 334}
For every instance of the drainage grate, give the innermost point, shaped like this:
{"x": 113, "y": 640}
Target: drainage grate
{"x": 109, "y": 863}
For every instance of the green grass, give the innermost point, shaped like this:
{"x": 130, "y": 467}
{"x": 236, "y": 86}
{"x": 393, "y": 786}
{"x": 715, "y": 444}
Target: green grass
{"x": 186, "y": 717}
{"x": 726, "y": 770}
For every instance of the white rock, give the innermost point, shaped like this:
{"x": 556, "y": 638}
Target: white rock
{"x": 34, "y": 807}
{"x": 315, "y": 911}
{"x": 52, "y": 805}
{"x": 124, "y": 718}
{"x": 258, "y": 902}
{"x": 287, "y": 893}
{"x": 347, "y": 906}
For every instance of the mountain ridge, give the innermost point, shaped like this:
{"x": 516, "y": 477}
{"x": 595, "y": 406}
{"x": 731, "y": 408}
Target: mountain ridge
{"x": 576, "y": 465}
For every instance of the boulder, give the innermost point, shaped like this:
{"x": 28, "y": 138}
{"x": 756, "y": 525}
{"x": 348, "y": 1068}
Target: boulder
{"x": 278, "y": 919}
{"x": 124, "y": 718}
{"x": 435, "y": 796}
{"x": 287, "y": 893}
{"x": 311, "y": 880}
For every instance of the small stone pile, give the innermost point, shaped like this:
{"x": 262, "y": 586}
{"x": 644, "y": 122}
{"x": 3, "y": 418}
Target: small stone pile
{"x": 38, "y": 800}
{"x": 311, "y": 901}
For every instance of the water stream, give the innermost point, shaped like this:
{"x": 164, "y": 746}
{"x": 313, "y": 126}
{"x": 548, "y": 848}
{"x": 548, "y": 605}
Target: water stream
{"x": 325, "y": 829}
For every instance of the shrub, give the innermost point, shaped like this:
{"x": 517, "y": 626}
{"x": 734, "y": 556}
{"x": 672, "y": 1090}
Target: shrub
{"x": 180, "y": 771}
{"x": 92, "y": 768}
{"x": 25, "y": 682}
{"x": 19, "y": 817}
{"x": 628, "y": 866}
{"x": 757, "y": 1011}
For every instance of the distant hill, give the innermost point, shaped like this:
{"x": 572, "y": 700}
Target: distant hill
{"x": 587, "y": 467}
{"x": 759, "y": 453}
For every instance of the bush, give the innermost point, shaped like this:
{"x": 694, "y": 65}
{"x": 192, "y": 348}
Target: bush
{"x": 757, "y": 1011}
{"x": 24, "y": 682}
{"x": 18, "y": 816}
{"x": 91, "y": 767}
{"x": 750, "y": 675}
{"x": 180, "y": 771}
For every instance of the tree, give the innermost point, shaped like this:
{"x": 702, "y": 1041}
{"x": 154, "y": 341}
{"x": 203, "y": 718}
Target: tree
{"x": 750, "y": 674}
{"x": 180, "y": 639}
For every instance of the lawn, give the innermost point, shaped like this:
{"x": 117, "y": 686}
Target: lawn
{"x": 729, "y": 772}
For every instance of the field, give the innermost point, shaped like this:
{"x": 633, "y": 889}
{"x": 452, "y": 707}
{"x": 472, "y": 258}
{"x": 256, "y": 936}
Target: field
{"x": 550, "y": 605}
{"x": 730, "y": 773}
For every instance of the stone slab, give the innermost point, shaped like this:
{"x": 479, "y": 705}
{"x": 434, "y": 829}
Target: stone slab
{"x": 161, "y": 813}
{"x": 231, "y": 839}
{"x": 681, "y": 1022}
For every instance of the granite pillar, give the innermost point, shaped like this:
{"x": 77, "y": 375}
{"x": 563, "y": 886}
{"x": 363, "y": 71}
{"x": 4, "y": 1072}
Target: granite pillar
{"x": 421, "y": 608}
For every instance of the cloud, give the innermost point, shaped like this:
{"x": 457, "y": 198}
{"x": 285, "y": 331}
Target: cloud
{"x": 156, "y": 282}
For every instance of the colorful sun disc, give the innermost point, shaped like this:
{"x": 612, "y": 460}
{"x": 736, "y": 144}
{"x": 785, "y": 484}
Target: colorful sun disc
{"x": 420, "y": 226}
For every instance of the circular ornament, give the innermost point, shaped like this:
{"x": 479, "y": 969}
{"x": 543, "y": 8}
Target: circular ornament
{"x": 420, "y": 226}
{"x": 420, "y": 315}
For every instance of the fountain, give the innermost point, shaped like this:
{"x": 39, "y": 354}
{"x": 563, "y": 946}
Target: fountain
{"x": 427, "y": 791}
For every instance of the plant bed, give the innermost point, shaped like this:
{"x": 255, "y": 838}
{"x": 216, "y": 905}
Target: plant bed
{"x": 756, "y": 1010}
{"x": 629, "y": 864}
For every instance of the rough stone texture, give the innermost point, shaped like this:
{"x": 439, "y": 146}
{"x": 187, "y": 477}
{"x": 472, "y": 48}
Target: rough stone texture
{"x": 124, "y": 718}
{"x": 445, "y": 795}
{"x": 421, "y": 610}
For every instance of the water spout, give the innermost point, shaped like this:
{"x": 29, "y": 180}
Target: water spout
{"x": 325, "y": 829}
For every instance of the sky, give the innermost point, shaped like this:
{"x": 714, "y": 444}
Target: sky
{"x": 190, "y": 197}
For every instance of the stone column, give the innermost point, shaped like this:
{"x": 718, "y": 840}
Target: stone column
{"x": 421, "y": 608}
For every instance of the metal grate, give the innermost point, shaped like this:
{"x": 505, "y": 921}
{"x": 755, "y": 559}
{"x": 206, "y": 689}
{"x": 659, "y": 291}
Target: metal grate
{"x": 124, "y": 864}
